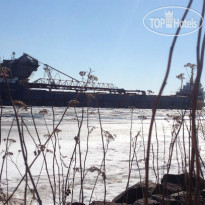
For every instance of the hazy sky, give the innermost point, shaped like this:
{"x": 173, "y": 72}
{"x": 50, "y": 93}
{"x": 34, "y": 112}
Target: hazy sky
{"x": 105, "y": 35}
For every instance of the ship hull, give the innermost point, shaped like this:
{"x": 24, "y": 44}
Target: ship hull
{"x": 37, "y": 97}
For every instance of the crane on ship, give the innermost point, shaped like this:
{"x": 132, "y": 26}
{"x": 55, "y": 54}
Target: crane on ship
{"x": 73, "y": 84}
{"x": 56, "y": 83}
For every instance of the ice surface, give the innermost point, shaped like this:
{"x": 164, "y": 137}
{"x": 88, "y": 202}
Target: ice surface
{"x": 116, "y": 121}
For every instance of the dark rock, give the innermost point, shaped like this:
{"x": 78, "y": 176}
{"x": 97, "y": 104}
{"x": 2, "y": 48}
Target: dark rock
{"x": 173, "y": 178}
{"x": 179, "y": 195}
{"x": 169, "y": 200}
{"x": 167, "y": 189}
{"x": 107, "y": 203}
{"x": 182, "y": 180}
{"x": 158, "y": 189}
{"x": 202, "y": 193}
{"x": 134, "y": 193}
{"x": 182, "y": 197}
{"x": 170, "y": 188}
{"x": 141, "y": 201}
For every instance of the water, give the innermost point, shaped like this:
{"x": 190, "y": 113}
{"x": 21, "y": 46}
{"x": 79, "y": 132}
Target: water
{"x": 121, "y": 123}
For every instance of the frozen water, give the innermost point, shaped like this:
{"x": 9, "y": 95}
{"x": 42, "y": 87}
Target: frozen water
{"x": 119, "y": 122}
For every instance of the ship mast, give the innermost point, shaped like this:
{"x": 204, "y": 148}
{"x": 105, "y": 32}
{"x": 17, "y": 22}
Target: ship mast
{"x": 192, "y": 67}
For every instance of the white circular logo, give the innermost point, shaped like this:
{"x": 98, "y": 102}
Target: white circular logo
{"x": 166, "y": 20}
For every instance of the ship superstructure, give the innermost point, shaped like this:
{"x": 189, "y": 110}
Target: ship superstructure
{"x": 188, "y": 89}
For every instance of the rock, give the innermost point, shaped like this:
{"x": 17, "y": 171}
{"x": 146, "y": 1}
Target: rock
{"x": 167, "y": 189}
{"x": 202, "y": 193}
{"x": 182, "y": 180}
{"x": 170, "y": 188}
{"x": 182, "y": 197}
{"x": 179, "y": 195}
{"x": 107, "y": 203}
{"x": 169, "y": 200}
{"x": 141, "y": 201}
{"x": 175, "y": 179}
{"x": 134, "y": 193}
{"x": 158, "y": 189}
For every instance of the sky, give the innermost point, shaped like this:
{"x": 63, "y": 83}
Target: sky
{"x": 107, "y": 36}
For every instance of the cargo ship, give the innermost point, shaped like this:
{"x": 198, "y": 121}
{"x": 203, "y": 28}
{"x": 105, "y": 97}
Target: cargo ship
{"x": 15, "y": 86}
